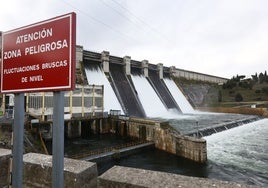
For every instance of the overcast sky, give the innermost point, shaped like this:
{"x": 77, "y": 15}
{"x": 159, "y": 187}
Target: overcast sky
{"x": 217, "y": 37}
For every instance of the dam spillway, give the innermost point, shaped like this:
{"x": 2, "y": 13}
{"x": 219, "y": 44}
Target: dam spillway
{"x": 179, "y": 97}
{"x": 126, "y": 91}
{"x": 162, "y": 90}
{"x": 96, "y": 76}
{"x": 152, "y": 109}
{"x": 122, "y": 74}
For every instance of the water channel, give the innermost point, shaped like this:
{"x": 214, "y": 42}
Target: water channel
{"x": 239, "y": 154}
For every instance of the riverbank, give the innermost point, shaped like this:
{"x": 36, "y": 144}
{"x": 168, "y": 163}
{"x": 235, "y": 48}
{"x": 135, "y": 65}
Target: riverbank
{"x": 248, "y": 111}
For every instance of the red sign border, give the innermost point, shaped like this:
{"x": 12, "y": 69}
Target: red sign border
{"x": 72, "y": 56}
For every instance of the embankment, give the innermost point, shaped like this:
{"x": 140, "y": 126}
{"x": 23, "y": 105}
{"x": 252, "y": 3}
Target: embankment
{"x": 250, "y": 111}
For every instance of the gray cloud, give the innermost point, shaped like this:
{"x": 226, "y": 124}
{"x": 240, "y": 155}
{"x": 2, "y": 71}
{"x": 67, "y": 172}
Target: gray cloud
{"x": 222, "y": 38}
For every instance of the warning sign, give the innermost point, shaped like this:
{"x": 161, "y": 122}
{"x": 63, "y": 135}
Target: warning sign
{"x": 39, "y": 57}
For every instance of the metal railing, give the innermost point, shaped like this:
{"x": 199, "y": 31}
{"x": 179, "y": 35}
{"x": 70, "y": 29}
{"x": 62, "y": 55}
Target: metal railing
{"x": 83, "y": 100}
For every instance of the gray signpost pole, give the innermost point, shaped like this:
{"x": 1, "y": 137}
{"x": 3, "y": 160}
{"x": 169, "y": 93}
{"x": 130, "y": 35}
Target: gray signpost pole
{"x": 18, "y": 132}
{"x": 58, "y": 140}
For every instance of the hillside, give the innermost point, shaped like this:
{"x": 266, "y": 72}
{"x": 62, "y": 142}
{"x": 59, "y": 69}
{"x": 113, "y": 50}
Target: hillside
{"x": 237, "y": 92}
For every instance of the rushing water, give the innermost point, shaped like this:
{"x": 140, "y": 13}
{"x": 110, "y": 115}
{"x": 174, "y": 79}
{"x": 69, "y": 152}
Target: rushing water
{"x": 239, "y": 154}
{"x": 145, "y": 92}
{"x": 98, "y": 77}
{"x": 193, "y": 122}
{"x": 154, "y": 108}
{"x": 183, "y": 103}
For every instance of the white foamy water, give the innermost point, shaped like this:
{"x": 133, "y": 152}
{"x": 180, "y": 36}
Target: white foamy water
{"x": 242, "y": 150}
{"x": 151, "y": 103}
{"x": 180, "y": 99}
{"x": 98, "y": 77}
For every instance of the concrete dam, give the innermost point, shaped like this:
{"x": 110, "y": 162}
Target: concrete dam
{"x": 130, "y": 85}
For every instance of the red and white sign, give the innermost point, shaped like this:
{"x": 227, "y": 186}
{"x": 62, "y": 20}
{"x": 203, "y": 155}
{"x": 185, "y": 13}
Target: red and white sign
{"x": 39, "y": 57}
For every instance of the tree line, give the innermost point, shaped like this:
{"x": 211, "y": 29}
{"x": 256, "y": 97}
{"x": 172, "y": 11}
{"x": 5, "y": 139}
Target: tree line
{"x": 240, "y": 81}
{"x": 248, "y": 83}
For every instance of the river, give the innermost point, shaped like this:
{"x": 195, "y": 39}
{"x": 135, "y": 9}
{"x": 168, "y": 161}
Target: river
{"x": 239, "y": 154}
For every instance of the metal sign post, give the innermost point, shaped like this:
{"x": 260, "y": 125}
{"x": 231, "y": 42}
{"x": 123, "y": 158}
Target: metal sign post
{"x": 32, "y": 57}
{"x": 18, "y": 132}
{"x": 58, "y": 140}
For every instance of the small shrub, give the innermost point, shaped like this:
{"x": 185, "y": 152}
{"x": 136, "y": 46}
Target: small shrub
{"x": 265, "y": 90}
{"x": 231, "y": 92}
{"x": 238, "y": 97}
{"x": 258, "y": 91}
{"x": 219, "y": 96}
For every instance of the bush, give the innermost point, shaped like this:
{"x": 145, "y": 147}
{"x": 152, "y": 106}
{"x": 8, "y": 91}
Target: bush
{"x": 246, "y": 84}
{"x": 258, "y": 99}
{"x": 265, "y": 90}
{"x": 219, "y": 96}
{"x": 230, "y": 84}
{"x": 231, "y": 92}
{"x": 258, "y": 91}
{"x": 238, "y": 97}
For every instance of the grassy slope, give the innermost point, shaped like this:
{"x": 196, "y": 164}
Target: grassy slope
{"x": 228, "y": 96}
{"x": 249, "y": 96}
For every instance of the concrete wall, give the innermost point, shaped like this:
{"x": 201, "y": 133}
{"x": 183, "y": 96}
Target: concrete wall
{"x": 188, "y": 147}
{"x": 105, "y": 56}
{"x": 76, "y": 128}
{"x": 190, "y": 75}
{"x": 38, "y": 172}
{"x": 136, "y": 178}
{"x": 5, "y": 155}
{"x": 173, "y": 70}
{"x": 164, "y": 137}
{"x": 79, "y": 56}
{"x": 73, "y": 129}
{"x": 127, "y": 60}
